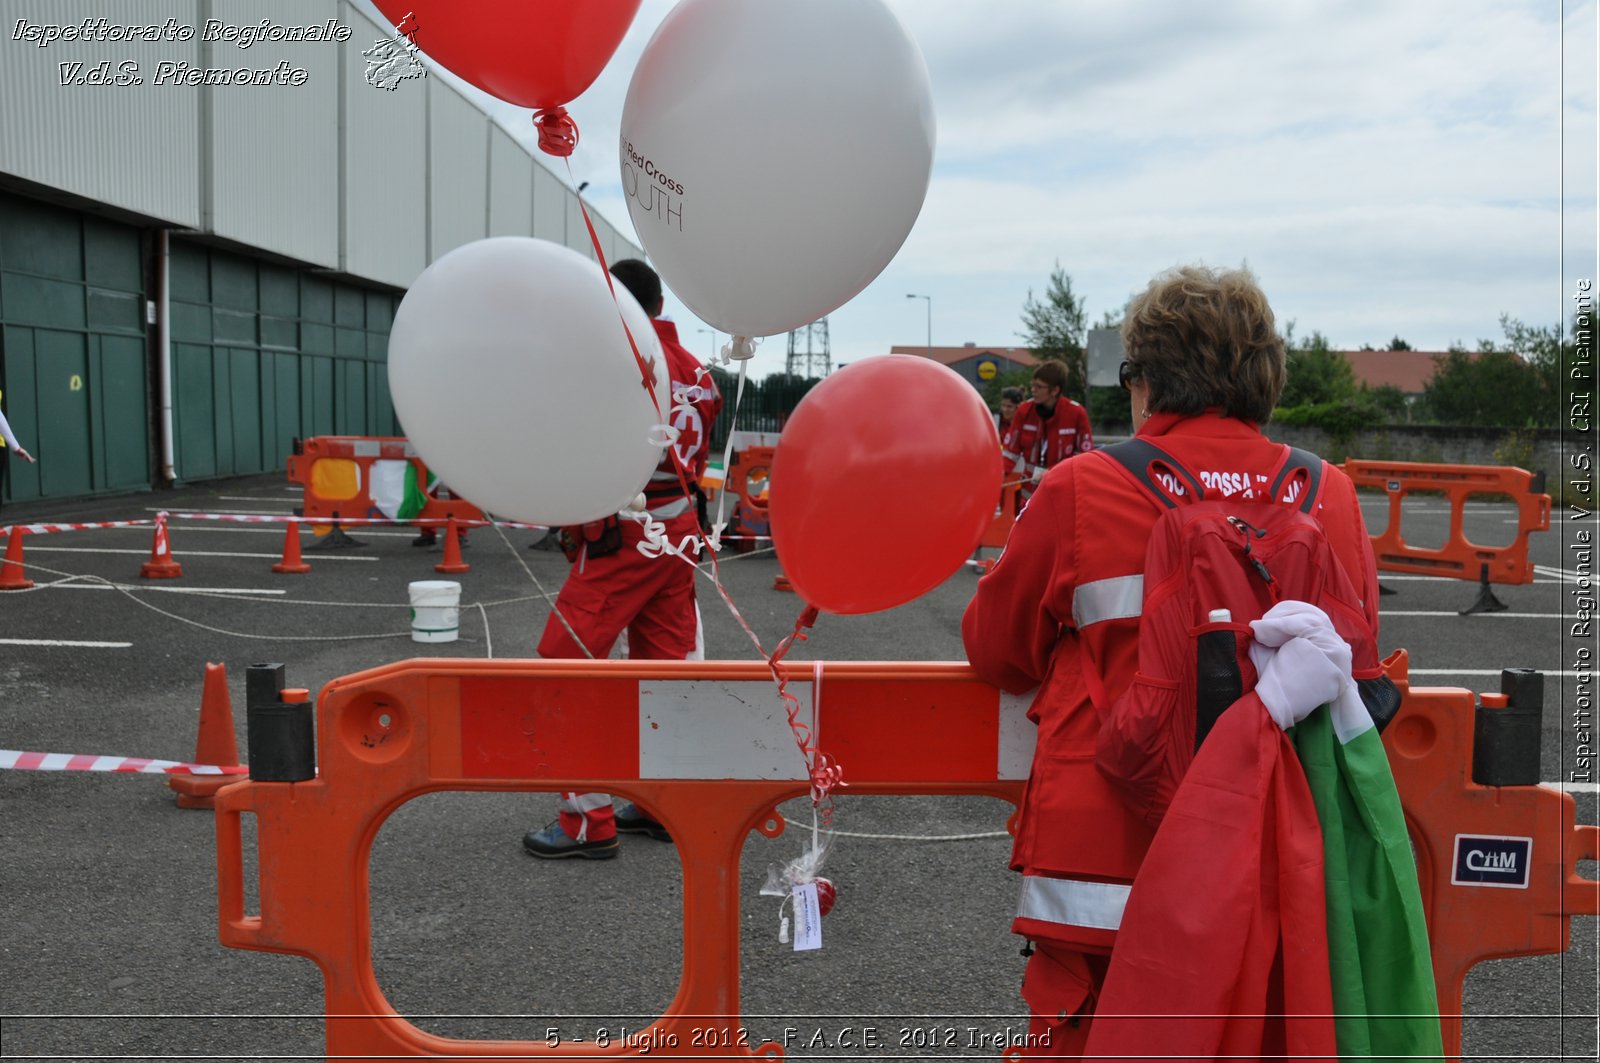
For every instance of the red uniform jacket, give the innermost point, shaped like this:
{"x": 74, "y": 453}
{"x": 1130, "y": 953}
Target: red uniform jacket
{"x": 696, "y": 402}
{"x": 1040, "y": 444}
{"x": 1065, "y": 596}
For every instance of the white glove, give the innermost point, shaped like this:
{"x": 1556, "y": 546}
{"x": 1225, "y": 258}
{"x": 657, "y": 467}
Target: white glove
{"x": 1300, "y": 659}
{"x": 1292, "y": 619}
{"x": 1296, "y": 678}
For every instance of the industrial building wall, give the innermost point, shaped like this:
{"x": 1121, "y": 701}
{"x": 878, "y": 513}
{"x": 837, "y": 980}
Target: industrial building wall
{"x": 271, "y": 153}
{"x": 296, "y": 213}
{"x": 263, "y": 354}
{"x": 72, "y": 351}
{"x": 132, "y": 147}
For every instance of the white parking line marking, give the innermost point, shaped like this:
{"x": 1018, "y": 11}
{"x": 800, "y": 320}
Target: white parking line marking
{"x": 1561, "y": 575}
{"x": 182, "y": 554}
{"x": 67, "y": 642}
{"x": 1387, "y": 577}
{"x": 235, "y": 512}
{"x": 1382, "y": 612}
{"x": 1484, "y": 671}
{"x": 158, "y": 587}
{"x": 1574, "y": 787}
{"x": 266, "y": 529}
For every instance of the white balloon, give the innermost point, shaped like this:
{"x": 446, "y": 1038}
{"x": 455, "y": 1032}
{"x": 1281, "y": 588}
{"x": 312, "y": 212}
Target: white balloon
{"x": 775, "y": 155}
{"x": 513, "y": 378}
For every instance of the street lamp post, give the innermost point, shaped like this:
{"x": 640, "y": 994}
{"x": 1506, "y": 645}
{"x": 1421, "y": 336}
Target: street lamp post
{"x": 713, "y": 341}
{"x": 929, "y": 299}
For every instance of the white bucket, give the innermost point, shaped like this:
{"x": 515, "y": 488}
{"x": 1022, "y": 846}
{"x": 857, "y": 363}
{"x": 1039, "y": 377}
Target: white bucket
{"x": 435, "y": 610}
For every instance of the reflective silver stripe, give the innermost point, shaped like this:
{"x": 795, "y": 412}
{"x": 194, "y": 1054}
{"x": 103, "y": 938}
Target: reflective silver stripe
{"x": 1067, "y": 901}
{"x": 1107, "y": 599}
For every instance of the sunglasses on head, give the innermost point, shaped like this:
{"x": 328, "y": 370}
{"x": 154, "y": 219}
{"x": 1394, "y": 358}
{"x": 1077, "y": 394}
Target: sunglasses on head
{"x": 1126, "y": 375}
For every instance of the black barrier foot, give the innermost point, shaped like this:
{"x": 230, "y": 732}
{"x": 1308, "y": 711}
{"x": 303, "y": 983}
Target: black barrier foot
{"x": 336, "y": 540}
{"x": 1487, "y": 602}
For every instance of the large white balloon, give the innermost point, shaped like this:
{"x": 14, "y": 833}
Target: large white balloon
{"x": 775, "y": 155}
{"x": 512, "y": 377}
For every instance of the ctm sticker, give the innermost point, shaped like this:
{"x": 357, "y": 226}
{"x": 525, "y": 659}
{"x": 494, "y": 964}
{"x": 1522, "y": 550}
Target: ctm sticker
{"x": 1492, "y": 860}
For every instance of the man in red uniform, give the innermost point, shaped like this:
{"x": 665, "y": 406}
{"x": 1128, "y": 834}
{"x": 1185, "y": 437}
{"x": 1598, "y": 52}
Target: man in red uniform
{"x": 1048, "y": 429}
{"x": 648, "y": 600}
{"x": 1059, "y": 612}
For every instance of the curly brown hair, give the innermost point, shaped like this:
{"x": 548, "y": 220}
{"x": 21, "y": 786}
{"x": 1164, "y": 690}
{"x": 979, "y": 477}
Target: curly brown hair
{"x": 1201, "y": 337}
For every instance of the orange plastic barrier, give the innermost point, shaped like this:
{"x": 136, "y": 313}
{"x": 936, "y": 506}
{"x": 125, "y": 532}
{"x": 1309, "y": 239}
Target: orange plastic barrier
{"x": 337, "y": 473}
{"x": 1458, "y": 557}
{"x": 706, "y": 745}
{"x": 1005, "y": 515}
{"x": 748, "y": 478}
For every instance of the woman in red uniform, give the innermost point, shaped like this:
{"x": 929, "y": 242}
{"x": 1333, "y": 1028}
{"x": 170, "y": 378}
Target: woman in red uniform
{"x": 1060, "y": 611}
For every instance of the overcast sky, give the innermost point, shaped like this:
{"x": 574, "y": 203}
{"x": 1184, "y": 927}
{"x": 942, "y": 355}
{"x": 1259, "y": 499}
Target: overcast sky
{"x": 1384, "y": 168}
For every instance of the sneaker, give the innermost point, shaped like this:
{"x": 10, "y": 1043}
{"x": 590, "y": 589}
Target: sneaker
{"x": 553, "y": 843}
{"x": 427, "y": 538}
{"x": 630, "y": 820}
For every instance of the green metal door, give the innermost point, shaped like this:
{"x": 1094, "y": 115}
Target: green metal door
{"x": 61, "y": 365}
{"x": 121, "y": 400}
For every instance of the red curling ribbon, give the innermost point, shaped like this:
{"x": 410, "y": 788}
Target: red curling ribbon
{"x": 558, "y": 133}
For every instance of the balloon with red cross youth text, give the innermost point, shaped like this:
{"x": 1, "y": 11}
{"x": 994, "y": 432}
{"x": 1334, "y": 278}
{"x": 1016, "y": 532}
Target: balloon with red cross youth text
{"x": 898, "y": 445}
{"x": 775, "y": 155}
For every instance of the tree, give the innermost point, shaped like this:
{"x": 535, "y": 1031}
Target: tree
{"x": 1495, "y": 388}
{"x": 1054, "y": 328}
{"x": 1515, "y": 382}
{"x": 1398, "y": 344}
{"x": 1316, "y": 373}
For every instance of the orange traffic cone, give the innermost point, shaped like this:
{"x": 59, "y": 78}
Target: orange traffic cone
{"x": 216, "y": 744}
{"x": 291, "y": 551}
{"x": 161, "y": 565}
{"x": 11, "y": 568}
{"x": 452, "y": 551}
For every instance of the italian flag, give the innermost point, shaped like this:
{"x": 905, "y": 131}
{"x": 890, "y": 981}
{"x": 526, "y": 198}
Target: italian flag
{"x": 397, "y": 490}
{"x": 1378, "y": 959}
{"x": 1277, "y": 912}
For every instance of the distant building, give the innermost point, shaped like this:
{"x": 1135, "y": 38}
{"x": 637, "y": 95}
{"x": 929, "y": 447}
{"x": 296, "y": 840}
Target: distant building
{"x": 1410, "y": 371}
{"x": 974, "y": 363}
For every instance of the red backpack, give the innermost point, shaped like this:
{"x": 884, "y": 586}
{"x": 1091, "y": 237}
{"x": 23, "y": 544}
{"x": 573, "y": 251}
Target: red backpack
{"x": 1209, "y": 554}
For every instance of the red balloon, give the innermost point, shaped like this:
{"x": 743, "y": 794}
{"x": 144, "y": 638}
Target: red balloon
{"x": 533, "y": 53}
{"x": 883, "y": 481}
{"x": 826, "y": 895}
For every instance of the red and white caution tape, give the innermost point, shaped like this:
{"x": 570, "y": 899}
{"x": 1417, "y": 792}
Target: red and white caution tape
{"x": 19, "y": 761}
{"x": 258, "y": 518}
{"x": 48, "y": 529}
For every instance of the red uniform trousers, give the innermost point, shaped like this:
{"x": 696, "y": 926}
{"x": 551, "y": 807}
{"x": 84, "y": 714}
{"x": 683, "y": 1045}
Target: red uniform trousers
{"x": 651, "y": 599}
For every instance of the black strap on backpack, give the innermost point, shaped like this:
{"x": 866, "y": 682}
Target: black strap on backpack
{"x": 1138, "y": 455}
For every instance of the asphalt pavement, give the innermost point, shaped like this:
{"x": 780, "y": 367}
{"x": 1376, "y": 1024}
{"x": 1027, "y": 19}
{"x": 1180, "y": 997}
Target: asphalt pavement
{"x": 108, "y": 942}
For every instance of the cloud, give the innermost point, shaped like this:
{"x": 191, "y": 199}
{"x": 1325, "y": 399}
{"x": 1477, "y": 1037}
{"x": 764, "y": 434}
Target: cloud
{"x": 1384, "y": 167}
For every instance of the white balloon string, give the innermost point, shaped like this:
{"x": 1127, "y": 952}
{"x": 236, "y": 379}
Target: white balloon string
{"x": 721, "y": 522}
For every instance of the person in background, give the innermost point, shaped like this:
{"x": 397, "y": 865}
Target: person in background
{"x": 648, "y": 600}
{"x": 11, "y": 447}
{"x": 1059, "y": 612}
{"x": 1010, "y": 399}
{"x": 1049, "y": 428}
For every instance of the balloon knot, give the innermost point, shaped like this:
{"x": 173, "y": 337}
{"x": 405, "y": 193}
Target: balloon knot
{"x": 739, "y": 349}
{"x": 558, "y": 133}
